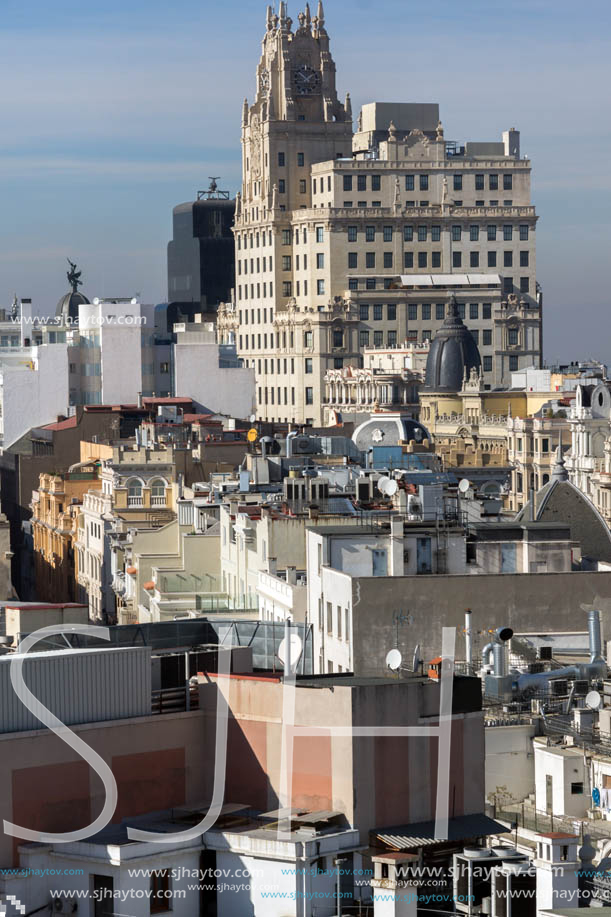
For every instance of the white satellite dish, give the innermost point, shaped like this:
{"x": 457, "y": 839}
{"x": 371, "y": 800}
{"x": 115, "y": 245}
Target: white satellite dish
{"x": 594, "y": 700}
{"x": 464, "y": 486}
{"x": 296, "y": 650}
{"x": 394, "y": 660}
{"x": 391, "y": 488}
{"x": 252, "y": 418}
{"x": 383, "y": 483}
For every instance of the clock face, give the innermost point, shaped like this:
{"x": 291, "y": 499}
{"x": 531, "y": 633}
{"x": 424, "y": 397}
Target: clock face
{"x": 306, "y": 81}
{"x": 264, "y": 80}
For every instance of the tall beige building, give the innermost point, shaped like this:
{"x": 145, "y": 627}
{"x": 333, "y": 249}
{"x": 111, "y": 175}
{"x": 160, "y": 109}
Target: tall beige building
{"x": 347, "y": 241}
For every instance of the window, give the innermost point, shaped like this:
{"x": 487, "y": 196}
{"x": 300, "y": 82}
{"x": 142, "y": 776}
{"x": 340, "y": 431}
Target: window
{"x": 475, "y": 335}
{"x": 507, "y": 181}
{"x": 458, "y": 182}
{"x": 309, "y": 396}
{"x": 392, "y": 338}
{"x": 435, "y": 259}
{"x": 487, "y": 337}
{"x": 440, "y": 311}
{"x": 474, "y": 259}
{"x": 370, "y": 259}
{"x": 286, "y": 236}
{"x": 302, "y": 186}
{"x": 492, "y": 233}
{"x": 320, "y": 234}
{"x": 512, "y": 337}
{"x": 524, "y": 285}
{"x": 286, "y": 262}
{"x": 491, "y": 259}
{"x": 391, "y": 309}
{"x": 412, "y": 312}
{"x": 456, "y": 233}
{"x": 474, "y": 233}
{"x": 426, "y": 311}
{"x": 363, "y": 338}
{"x": 338, "y": 337}
{"x": 308, "y": 366}
{"x": 300, "y": 160}
{"x": 378, "y": 338}
{"x": 364, "y": 312}
{"x": 287, "y": 288}
{"x": 376, "y": 182}
{"x": 422, "y": 259}
{"x": 163, "y": 368}
{"x": 281, "y": 159}
{"x": 507, "y": 259}
{"x": 487, "y": 364}
{"x": 370, "y": 234}
{"x": 387, "y": 259}
{"x": 493, "y": 182}
{"x": 523, "y": 233}
{"x": 435, "y": 233}
{"x": 479, "y": 182}
{"x": 338, "y": 362}
{"x": 134, "y": 493}
{"x": 461, "y": 309}
{"x": 456, "y": 259}
{"x": 524, "y": 259}
{"x": 370, "y": 283}
{"x": 378, "y": 313}
{"x": 352, "y": 233}
{"x": 387, "y": 233}
{"x": 281, "y": 186}
{"x": 353, "y": 283}
{"x": 513, "y": 363}
{"x": 408, "y": 233}
{"x": 320, "y": 287}
{"x": 361, "y": 183}
{"x": 422, "y": 233}
{"x": 409, "y": 182}
{"x": 424, "y": 183}
{"x": 408, "y": 259}
{"x": 353, "y": 259}
{"x": 507, "y": 285}
{"x": 473, "y": 311}
{"x": 320, "y": 261}
{"x": 308, "y": 339}
{"x": 347, "y": 182}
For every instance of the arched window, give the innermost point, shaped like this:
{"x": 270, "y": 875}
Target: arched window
{"x": 134, "y": 493}
{"x": 545, "y": 479}
{"x": 158, "y": 492}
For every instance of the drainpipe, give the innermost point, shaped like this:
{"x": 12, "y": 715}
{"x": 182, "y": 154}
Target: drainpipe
{"x": 468, "y": 639}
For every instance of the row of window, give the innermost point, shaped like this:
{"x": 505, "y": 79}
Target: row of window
{"x": 413, "y": 203}
{"x": 494, "y": 182}
{"x": 421, "y": 233}
{"x": 287, "y": 235}
{"x": 423, "y": 259}
{"x": 274, "y": 395}
{"x": 255, "y": 290}
{"x": 255, "y": 265}
{"x": 244, "y": 316}
{"x": 282, "y": 160}
{"x": 423, "y": 310}
{"x": 255, "y": 239}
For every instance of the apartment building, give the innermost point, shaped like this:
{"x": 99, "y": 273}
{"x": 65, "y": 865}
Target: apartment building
{"x": 344, "y": 241}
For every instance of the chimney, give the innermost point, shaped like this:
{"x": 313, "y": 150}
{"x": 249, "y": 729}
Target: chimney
{"x": 140, "y": 402}
{"x": 291, "y": 575}
{"x": 272, "y": 566}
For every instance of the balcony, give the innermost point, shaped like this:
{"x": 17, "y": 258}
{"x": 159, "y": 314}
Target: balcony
{"x": 135, "y": 501}
{"x": 157, "y": 501}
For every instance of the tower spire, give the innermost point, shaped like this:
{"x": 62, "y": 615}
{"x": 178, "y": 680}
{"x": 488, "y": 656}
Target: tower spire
{"x": 245, "y": 113}
{"x": 321, "y": 15}
{"x": 348, "y": 107}
{"x": 270, "y": 19}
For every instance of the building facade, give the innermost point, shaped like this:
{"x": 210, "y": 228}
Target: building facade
{"x": 374, "y": 227}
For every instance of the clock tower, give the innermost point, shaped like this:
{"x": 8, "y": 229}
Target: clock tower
{"x": 296, "y": 119}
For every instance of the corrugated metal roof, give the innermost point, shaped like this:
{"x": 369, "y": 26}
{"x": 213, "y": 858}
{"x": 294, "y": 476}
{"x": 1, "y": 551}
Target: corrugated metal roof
{"x": 422, "y": 834}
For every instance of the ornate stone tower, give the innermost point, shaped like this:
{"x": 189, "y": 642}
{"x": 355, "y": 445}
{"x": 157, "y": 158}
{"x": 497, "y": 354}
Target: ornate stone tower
{"x": 296, "y": 118}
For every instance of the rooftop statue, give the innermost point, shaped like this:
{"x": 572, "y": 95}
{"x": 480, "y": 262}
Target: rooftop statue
{"x": 74, "y": 276}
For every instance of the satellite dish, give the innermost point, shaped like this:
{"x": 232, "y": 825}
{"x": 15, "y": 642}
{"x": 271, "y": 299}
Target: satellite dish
{"x": 464, "y": 486}
{"x": 251, "y": 436}
{"x": 252, "y": 418}
{"x": 383, "y": 483}
{"x": 594, "y": 700}
{"x": 296, "y": 649}
{"x": 391, "y": 488}
{"x": 417, "y": 659}
{"x": 394, "y": 660}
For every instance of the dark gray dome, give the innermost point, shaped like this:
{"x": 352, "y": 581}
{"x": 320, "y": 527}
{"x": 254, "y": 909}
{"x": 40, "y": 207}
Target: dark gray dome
{"x": 68, "y": 305}
{"x": 453, "y": 352}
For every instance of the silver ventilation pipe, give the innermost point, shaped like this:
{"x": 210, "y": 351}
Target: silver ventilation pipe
{"x": 501, "y": 636}
{"x": 595, "y": 636}
{"x": 595, "y": 668}
{"x": 499, "y": 659}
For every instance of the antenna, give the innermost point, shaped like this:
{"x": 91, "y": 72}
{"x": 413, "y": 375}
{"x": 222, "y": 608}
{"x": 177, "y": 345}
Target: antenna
{"x": 394, "y": 660}
{"x": 594, "y": 700}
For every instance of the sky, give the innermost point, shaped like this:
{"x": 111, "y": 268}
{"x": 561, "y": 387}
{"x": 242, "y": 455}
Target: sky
{"x": 113, "y": 112}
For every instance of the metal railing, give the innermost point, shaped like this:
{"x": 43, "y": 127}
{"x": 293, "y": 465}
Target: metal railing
{"x": 174, "y": 700}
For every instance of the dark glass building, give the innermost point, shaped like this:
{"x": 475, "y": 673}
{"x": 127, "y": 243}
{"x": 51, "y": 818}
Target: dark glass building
{"x": 201, "y": 263}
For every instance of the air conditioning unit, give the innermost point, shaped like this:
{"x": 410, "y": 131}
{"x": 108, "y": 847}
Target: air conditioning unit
{"x": 303, "y": 445}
